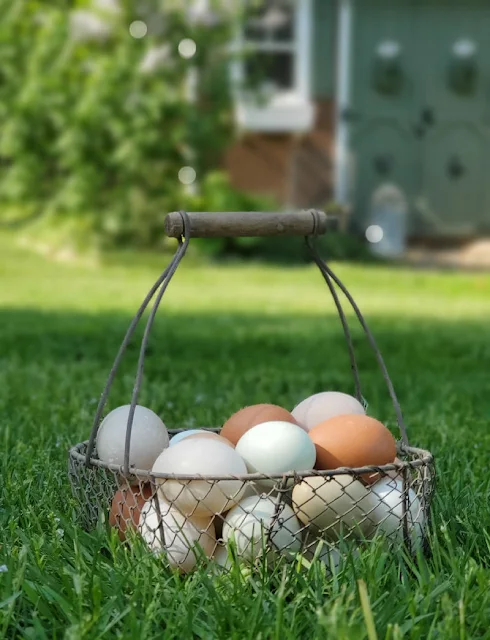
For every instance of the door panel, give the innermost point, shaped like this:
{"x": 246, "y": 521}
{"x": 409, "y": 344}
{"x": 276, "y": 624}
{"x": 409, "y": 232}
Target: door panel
{"x": 386, "y": 153}
{"x": 384, "y": 100}
{"x": 454, "y": 179}
{"x": 456, "y": 94}
{"x": 433, "y": 120}
{"x": 442, "y": 31}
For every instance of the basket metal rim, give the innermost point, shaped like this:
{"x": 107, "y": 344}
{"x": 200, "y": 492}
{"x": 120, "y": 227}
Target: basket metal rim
{"x": 424, "y": 459}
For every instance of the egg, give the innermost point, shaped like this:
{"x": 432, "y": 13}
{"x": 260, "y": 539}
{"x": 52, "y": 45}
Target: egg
{"x": 387, "y": 516}
{"x": 211, "y": 436}
{"x": 222, "y": 557}
{"x": 149, "y": 437}
{"x": 336, "y": 505}
{"x": 184, "y": 434}
{"x": 353, "y": 441}
{"x": 326, "y": 553}
{"x": 243, "y": 420}
{"x": 276, "y": 448}
{"x": 181, "y": 535}
{"x": 325, "y": 405}
{"x": 250, "y": 522}
{"x": 396, "y": 473}
{"x": 126, "y": 507}
{"x": 201, "y": 456}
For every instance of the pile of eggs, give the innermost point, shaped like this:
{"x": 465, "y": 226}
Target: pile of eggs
{"x": 188, "y": 518}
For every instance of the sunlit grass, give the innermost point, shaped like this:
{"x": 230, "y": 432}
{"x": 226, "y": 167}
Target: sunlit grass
{"x": 228, "y": 336}
{"x": 245, "y": 288}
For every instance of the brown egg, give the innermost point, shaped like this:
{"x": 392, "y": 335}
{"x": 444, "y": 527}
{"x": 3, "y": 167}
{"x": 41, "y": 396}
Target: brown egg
{"x": 212, "y": 436}
{"x": 126, "y": 507}
{"x": 243, "y": 420}
{"x": 353, "y": 441}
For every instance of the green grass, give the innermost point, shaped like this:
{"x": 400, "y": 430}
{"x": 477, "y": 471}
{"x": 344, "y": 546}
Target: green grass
{"x": 226, "y": 337}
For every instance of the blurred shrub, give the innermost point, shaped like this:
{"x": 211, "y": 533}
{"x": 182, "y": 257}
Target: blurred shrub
{"x": 217, "y": 194}
{"x": 332, "y": 246}
{"x": 95, "y": 123}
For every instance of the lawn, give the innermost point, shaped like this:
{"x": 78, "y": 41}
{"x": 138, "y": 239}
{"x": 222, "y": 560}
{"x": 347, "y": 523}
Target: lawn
{"x": 227, "y": 336}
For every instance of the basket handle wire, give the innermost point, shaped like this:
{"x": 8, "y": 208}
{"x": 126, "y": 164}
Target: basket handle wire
{"x": 329, "y": 275}
{"x": 345, "y": 326}
{"x": 162, "y": 284}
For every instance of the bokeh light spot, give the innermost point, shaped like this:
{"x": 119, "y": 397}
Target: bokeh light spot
{"x": 138, "y": 29}
{"x": 187, "y": 175}
{"x": 187, "y": 48}
{"x": 374, "y": 233}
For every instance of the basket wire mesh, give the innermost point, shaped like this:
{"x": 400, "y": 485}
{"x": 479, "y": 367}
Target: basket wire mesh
{"x": 306, "y": 513}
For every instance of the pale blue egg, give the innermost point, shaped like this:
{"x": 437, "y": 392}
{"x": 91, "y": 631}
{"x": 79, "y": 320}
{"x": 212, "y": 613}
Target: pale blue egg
{"x": 183, "y": 434}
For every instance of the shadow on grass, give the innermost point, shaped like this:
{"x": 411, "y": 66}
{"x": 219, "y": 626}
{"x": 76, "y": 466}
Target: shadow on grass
{"x": 227, "y": 361}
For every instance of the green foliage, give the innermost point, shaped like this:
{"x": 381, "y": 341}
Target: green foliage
{"x": 217, "y": 194}
{"x": 97, "y": 127}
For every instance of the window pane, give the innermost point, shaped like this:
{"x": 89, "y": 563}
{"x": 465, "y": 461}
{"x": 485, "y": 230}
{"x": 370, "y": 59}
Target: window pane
{"x": 272, "y": 69}
{"x": 273, "y": 20}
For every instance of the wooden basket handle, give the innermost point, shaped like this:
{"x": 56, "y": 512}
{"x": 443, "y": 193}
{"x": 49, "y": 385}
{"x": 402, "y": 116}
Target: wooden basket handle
{"x": 236, "y": 224}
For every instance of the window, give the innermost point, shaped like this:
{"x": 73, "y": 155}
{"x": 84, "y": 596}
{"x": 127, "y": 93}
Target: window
{"x": 275, "y": 43}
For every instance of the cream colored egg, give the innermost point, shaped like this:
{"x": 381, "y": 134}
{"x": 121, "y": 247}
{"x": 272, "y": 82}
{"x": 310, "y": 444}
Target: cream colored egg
{"x": 387, "y": 516}
{"x": 252, "y": 521}
{"x": 205, "y": 457}
{"x": 184, "y": 538}
{"x": 337, "y": 505}
{"x": 149, "y": 437}
{"x": 323, "y": 406}
{"x": 275, "y": 448}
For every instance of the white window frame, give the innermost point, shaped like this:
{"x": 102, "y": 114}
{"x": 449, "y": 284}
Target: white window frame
{"x": 289, "y": 111}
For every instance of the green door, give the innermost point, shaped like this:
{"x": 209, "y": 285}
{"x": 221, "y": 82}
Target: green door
{"x": 421, "y": 110}
{"x": 453, "y": 193}
{"x": 384, "y": 148}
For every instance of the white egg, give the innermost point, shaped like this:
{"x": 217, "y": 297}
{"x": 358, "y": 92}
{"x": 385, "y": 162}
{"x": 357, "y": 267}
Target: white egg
{"x": 252, "y": 520}
{"x": 222, "y": 557}
{"x": 387, "y": 515}
{"x": 184, "y": 434}
{"x": 222, "y": 562}
{"x": 181, "y": 535}
{"x": 206, "y": 457}
{"x": 337, "y": 505}
{"x": 149, "y": 437}
{"x": 323, "y": 406}
{"x": 274, "y": 448}
{"x": 326, "y": 553}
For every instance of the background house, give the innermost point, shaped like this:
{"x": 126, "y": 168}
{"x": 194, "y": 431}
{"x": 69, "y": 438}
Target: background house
{"x": 369, "y": 93}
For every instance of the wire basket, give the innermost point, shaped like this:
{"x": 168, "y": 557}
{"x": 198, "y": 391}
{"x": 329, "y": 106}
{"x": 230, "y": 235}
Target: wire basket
{"x": 194, "y": 518}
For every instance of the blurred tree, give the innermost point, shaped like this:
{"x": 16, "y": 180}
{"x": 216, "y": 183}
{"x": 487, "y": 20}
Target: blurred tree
{"x": 95, "y": 117}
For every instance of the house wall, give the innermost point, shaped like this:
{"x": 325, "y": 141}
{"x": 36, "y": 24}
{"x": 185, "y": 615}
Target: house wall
{"x": 297, "y": 171}
{"x": 427, "y": 136}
